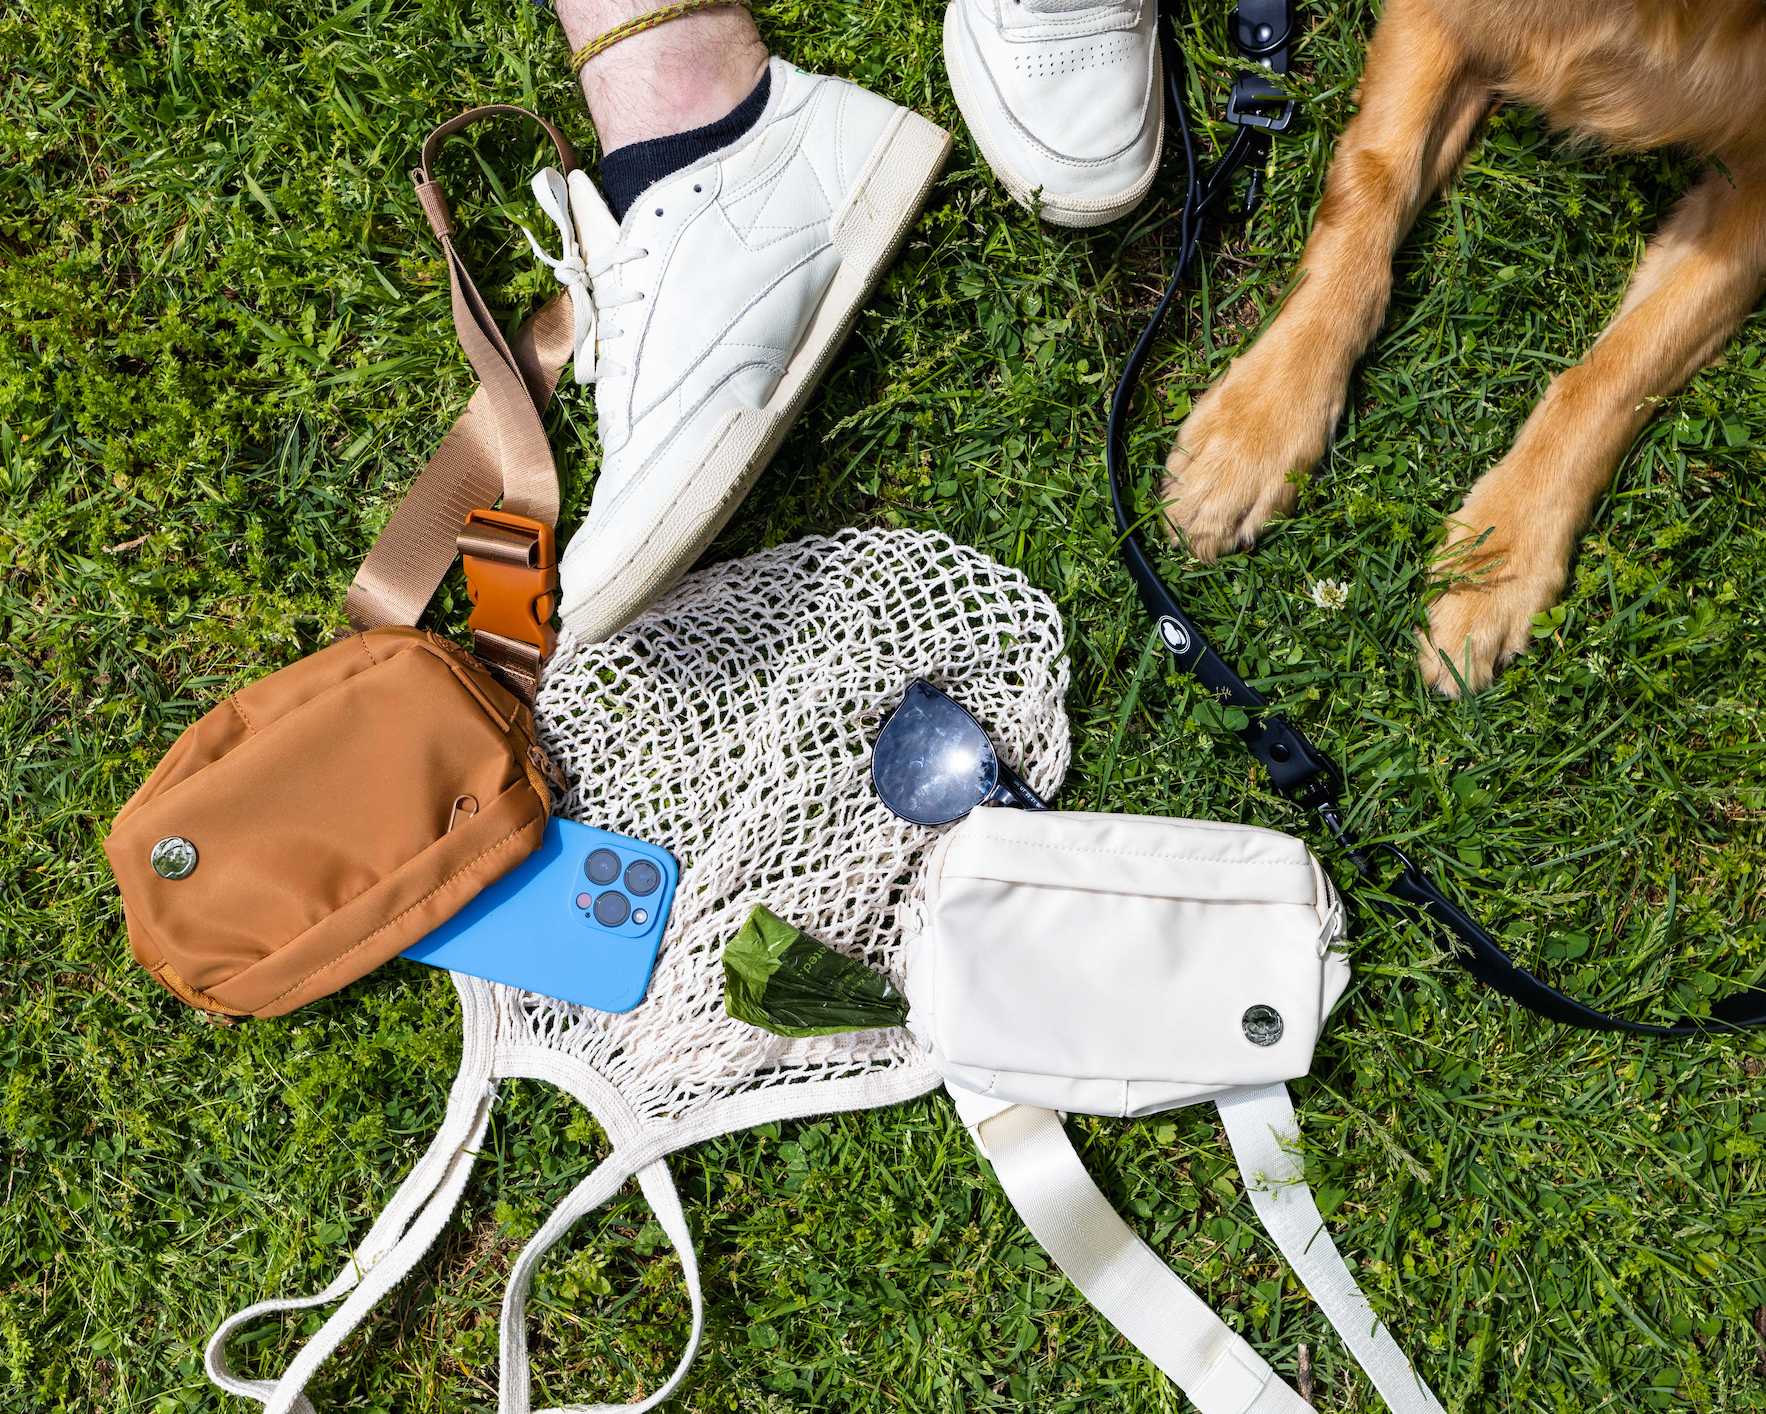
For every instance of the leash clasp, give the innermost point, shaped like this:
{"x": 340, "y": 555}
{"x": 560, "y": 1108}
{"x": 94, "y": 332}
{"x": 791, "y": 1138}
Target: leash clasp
{"x": 1261, "y": 30}
{"x": 1255, "y": 102}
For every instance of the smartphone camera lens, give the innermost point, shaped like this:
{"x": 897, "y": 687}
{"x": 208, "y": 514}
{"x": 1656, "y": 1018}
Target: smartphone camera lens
{"x": 602, "y": 867}
{"x": 611, "y": 909}
{"x": 642, "y": 877}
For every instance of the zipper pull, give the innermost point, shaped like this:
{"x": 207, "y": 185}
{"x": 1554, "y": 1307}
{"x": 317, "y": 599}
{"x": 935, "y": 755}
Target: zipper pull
{"x": 552, "y": 772}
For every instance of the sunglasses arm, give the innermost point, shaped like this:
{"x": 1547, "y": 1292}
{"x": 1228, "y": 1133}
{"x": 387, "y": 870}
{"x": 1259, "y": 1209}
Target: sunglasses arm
{"x": 1012, "y": 791}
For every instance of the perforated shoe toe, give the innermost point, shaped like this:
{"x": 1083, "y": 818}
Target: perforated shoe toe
{"x": 1063, "y": 99}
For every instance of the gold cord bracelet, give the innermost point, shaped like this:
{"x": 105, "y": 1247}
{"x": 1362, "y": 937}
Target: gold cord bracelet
{"x": 608, "y": 38}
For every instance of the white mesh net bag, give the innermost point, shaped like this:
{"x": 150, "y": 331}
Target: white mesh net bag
{"x": 732, "y": 725}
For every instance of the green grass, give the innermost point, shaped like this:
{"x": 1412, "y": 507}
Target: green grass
{"x": 223, "y": 353}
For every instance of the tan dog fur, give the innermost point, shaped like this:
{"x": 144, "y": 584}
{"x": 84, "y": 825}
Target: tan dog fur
{"x": 1631, "y": 73}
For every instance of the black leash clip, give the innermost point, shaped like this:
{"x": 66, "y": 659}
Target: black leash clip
{"x": 1255, "y": 102}
{"x": 1297, "y": 768}
{"x": 1261, "y": 30}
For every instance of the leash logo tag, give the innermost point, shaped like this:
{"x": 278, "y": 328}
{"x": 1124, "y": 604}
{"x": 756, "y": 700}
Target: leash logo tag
{"x": 1176, "y": 636}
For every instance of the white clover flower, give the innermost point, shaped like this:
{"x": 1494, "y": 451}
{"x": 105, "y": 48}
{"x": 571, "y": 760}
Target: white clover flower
{"x": 1330, "y": 594}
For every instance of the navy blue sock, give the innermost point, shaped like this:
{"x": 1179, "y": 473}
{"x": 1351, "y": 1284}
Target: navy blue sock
{"x": 627, "y": 171}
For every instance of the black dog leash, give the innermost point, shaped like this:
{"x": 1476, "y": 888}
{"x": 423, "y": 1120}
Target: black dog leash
{"x": 1263, "y": 30}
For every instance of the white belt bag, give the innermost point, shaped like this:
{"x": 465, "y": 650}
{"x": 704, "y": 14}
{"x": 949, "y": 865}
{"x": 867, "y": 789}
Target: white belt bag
{"x": 1123, "y": 965}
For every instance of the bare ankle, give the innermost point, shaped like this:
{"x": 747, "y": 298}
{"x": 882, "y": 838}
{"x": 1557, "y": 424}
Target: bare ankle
{"x": 673, "y": 78}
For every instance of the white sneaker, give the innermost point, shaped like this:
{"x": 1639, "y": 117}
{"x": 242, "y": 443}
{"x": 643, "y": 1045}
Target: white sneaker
{"x": 719, "y": 300}
{"x": 1064, "y": 98}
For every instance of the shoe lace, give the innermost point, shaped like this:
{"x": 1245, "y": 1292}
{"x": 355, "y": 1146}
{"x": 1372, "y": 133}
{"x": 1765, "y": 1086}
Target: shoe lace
{"x": 578, "y": 273}
{"x": 610, "y": 299}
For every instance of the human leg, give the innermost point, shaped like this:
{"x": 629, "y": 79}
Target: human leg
{"x": 725, "y": 276}
{"x": 677, "y": 76}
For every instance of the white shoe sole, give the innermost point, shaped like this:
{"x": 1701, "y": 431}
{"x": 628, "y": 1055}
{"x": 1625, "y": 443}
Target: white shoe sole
{"x": 1056, "y": 209}
{"x": 866, "y": 230}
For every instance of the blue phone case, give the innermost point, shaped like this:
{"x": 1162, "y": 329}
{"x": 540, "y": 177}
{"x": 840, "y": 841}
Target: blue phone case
{"x": 579, "y": 919}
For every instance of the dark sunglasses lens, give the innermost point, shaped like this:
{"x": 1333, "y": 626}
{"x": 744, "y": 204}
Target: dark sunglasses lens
{"x": 932, "y": 763}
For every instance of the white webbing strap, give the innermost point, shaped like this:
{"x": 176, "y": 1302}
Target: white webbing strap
{"x": 1265, "y": 1138}
{"x": 404, "y": 1231}
{"x": 591, "y": 1193}
{"x": 1123, "y": 1277}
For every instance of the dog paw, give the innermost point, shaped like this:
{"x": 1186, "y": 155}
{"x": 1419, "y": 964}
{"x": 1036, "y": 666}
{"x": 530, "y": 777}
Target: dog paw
{"x": 1484, "y": 619}
{"x": 1237, "y": 457}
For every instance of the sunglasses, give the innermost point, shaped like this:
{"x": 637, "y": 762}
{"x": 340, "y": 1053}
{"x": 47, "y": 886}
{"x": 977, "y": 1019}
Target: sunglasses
{"x": 934, "y": 763}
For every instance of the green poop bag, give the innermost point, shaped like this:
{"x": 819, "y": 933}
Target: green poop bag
{"x": 782, "y": 980}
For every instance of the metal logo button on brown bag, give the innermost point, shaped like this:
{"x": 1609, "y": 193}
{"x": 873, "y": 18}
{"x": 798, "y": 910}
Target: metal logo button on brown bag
{"x": 325, "y": 818}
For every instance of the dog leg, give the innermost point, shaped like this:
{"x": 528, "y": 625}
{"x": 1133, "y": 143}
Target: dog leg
{"x": 1518, "y": 528}
{"x": 1272, "y": 414}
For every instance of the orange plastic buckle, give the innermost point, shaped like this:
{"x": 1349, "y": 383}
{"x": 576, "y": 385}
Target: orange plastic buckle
{"x": 512, "y": 576}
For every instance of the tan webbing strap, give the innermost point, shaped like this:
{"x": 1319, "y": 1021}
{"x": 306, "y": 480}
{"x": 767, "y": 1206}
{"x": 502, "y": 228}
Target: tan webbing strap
{"x": 400, "y": 575}
{"x": 498, "y": 446}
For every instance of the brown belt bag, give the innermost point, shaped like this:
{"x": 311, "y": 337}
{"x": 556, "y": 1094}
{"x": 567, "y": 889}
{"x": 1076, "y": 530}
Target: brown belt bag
{"x": 325, "y": 818}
